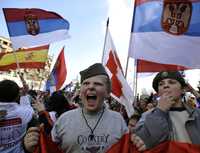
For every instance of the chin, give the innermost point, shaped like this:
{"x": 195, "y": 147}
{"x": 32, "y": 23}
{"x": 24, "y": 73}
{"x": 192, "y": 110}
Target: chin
{"x": 92, "y": 109}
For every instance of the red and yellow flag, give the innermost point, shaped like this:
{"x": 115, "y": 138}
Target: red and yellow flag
{"x": 27, "y": 58}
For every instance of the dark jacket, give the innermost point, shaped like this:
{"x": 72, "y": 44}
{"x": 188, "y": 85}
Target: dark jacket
{"x": 156, "y": 127}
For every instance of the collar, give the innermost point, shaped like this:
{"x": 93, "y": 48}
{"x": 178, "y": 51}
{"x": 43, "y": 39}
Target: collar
{"x": 179, "y": 109}
{"x": 94, "y": 113}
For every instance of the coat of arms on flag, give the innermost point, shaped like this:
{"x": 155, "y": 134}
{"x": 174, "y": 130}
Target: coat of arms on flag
{"x": 32, "y": 24}
{"x": 176, "y": 16}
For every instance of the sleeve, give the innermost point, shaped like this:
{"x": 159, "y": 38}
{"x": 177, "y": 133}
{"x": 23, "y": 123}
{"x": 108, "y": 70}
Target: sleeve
{"x": 25, "y": 101}
{"x": 154, "y": 128}
{"x": 55, "y": 132}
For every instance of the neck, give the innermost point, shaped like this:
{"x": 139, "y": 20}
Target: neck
{"x": 93, "y": 112}
{"x": 178, "y": 103}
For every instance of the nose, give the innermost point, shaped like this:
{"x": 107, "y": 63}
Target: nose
{"x": 91, "y": 86}
{"x": 166, "y": 85}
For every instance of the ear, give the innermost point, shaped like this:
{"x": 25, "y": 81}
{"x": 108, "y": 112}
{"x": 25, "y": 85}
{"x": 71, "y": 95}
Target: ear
{"x": 107, "y": 96}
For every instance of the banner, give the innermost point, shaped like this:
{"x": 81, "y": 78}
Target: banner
{"x": 34, "y": 27}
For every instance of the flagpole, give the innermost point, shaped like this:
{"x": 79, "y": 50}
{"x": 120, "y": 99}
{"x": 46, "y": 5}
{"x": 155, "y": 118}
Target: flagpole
{"x": 107, "y": 24}
{"x": 135, "y": 77}
{"x": 17, "y": 62}
{"x": 135, "y": 62}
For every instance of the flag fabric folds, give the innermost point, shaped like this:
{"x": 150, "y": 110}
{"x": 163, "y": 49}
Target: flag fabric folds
{"x": 124, "y": 145}
{"x": 121, "y": 90}
{"x": 167, "y": 32}
{"x": 147, "y": 66}
{"x": 26, "y": 58}
{"x": 34, "y": 27}
{"x": 58, "y": 74}
{"x": 46, "y": 145}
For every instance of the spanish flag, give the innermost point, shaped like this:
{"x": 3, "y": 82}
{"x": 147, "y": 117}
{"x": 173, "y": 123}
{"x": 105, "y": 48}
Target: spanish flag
{"x": 124, "y": 145}
{"x": 26, "y": 58}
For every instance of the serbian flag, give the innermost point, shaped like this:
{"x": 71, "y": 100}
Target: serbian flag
{"x": 166, "y": 32}
{"x": 34, "y": 27}
{"x": 121, "y": 90}
{"x": 26, "y": 58}
{"x": 124, "y": 145}
{"x": 58, "y": 74}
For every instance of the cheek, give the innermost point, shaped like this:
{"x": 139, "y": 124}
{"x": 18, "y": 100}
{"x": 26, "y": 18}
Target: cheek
{"x": 103, "y": 93}
{"x": 178, "y": 92}
{"x": 160, "y": 91}
{"x": 82, "y": 92}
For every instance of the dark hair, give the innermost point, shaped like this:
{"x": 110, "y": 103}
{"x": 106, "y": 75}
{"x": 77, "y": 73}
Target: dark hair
{"x": 32, "y": 93}
{"x": 108, "y": 84}
{"x": 9, "y": 91}
{"x": 135, "y": 116}
{"x": 58, "y": 102}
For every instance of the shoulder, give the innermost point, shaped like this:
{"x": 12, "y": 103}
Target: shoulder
{"x": 197, "y": 111}
{"x": 70, "y": 115}
{"x": 114, "y": 115}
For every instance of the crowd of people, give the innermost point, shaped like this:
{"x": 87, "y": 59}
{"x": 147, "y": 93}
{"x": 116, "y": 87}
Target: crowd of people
{"x": 90, "y": 120}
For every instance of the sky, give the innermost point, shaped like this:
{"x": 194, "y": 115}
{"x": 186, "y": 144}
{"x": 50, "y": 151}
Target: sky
{"x": 87, "y": 20}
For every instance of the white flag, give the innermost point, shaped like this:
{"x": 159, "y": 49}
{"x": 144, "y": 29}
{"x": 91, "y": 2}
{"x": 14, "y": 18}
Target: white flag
{"x": 121, "y": 91}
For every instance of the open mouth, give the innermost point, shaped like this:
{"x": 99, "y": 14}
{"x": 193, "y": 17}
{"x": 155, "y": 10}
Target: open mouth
{"x": 91, "y": 98}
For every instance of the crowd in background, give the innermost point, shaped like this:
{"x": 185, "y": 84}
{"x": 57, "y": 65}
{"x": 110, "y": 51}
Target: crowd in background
{"x": 46, "y": 108}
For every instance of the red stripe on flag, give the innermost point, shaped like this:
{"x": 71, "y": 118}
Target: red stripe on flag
{"x": 35, "y": 48}
{"x": 147, "y": 66}
{"x": 35, "y": 65}
{"x": 16, "y": 14}
{"x": 139, "y": 2}
{"x": 61, "y": 71}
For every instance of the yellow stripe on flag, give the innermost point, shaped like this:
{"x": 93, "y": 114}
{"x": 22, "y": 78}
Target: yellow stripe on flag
{"x": 24, "y": 57}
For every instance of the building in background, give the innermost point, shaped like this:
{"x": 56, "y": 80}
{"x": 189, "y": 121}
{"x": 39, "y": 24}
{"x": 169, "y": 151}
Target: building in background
{"x": 5, "y": 45}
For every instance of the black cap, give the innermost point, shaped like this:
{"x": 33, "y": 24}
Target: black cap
{"x": 164, "y": 75}
{"x": 93, "y": 70}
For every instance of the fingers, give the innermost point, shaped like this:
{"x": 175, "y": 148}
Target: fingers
{"x": 138, "y": 142}
{"x": 31, "y": 138}
{"x": 166, "y": 101}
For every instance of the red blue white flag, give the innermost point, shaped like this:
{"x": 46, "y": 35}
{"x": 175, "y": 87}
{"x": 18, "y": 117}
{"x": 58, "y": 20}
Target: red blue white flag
{"x": 58, "y": 75}
{"x": 34, "y": 27}
{"x": 167, "y": 32}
